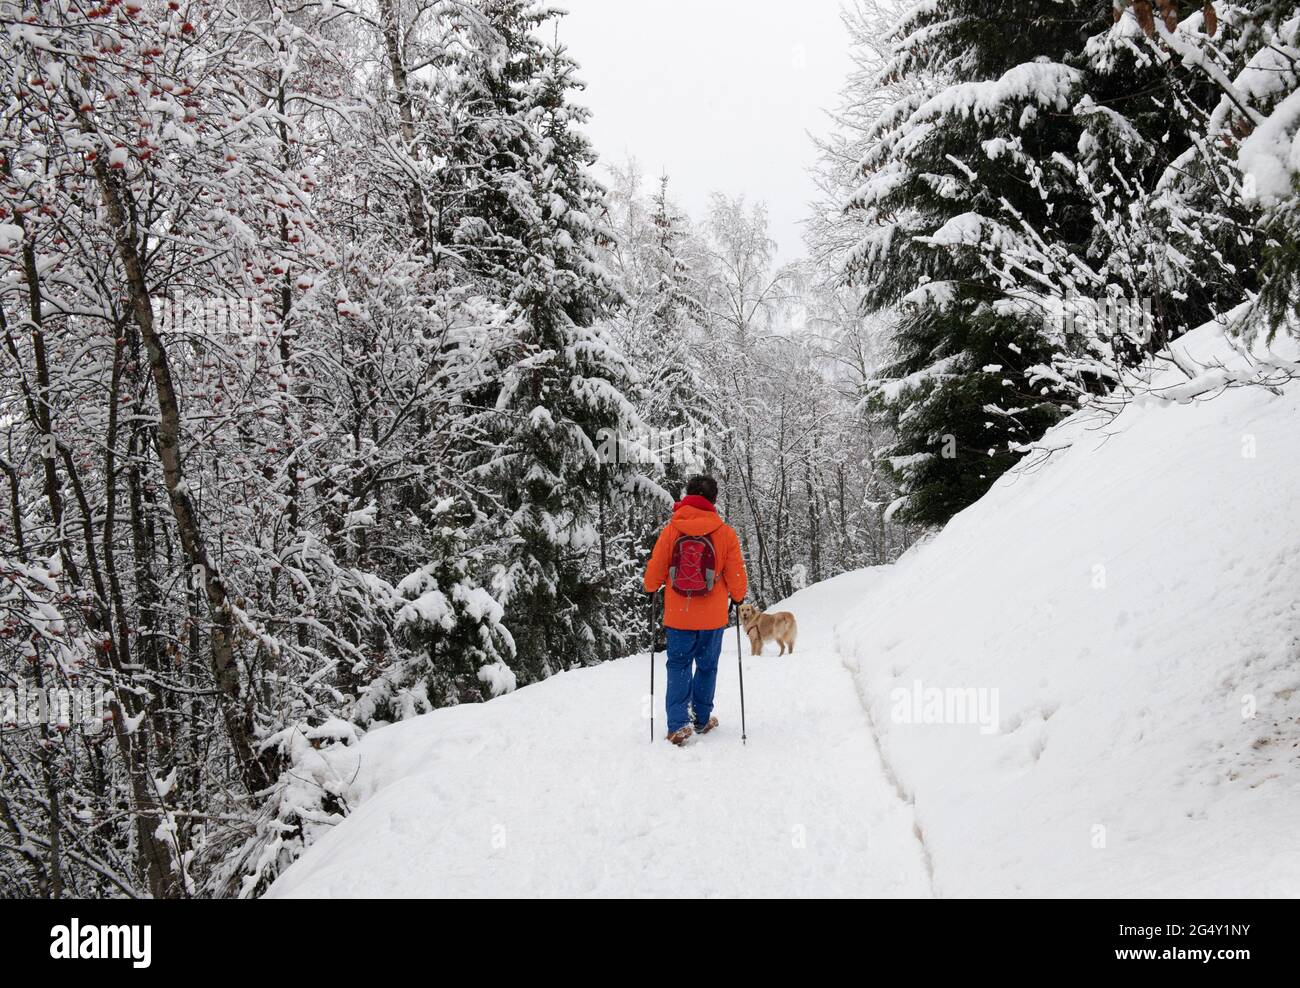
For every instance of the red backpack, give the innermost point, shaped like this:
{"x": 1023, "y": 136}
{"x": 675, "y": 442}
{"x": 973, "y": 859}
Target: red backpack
{"x": 694, "y": 565}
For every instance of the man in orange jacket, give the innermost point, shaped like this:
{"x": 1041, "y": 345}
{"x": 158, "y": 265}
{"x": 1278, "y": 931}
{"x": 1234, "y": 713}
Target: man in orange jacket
{"x": 697, "y": 560}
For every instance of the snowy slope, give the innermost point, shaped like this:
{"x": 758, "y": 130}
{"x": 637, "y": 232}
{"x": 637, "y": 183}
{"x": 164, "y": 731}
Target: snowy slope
{"x": 557, "y": 790}
{"x": 1129, "y": 600}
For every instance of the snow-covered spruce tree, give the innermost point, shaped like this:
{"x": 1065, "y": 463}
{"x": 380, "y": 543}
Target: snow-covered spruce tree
{"x": 520, "y": 215}
{"x": 1175, "y": 232}
{"x": 1169, "y": 243}
{"x": 1042, "y": 183}
{"x": 411, "y": 339}
{"x": 944, "y": 164}
{"x": 454, "y": 625}
{"x": 400, "y": 340}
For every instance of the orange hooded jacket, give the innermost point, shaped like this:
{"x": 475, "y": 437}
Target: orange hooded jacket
{"x": 694, "y": 515}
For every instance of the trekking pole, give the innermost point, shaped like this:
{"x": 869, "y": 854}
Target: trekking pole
{"x": 653, "y": 612}
{"x": 740, "y": 665}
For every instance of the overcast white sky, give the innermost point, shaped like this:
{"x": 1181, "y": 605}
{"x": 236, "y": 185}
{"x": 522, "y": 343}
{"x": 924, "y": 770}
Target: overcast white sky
{"x": 719, "y": 93}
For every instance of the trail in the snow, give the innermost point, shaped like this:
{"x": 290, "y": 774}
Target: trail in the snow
{"x": 557, "y": 790}
{"x": 900, "y": 791}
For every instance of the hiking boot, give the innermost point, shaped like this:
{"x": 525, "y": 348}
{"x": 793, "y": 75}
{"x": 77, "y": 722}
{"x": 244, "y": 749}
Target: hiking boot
{"x": 679, "y": 736}
{"x": 706, "y": 728}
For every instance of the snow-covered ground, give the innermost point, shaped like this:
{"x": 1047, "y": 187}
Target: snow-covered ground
{"x": 1124, "y": 610}
{"x": 1132, "y": 600}
{"x": 557, "y": 789}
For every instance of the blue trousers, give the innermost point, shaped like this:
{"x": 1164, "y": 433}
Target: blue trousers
{"x": 687, "y": 689}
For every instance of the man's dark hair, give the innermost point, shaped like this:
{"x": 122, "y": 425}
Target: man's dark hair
{"x": 703, "y": 486}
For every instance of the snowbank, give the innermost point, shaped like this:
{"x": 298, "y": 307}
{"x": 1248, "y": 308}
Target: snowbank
{"x": 1128, "y": 607}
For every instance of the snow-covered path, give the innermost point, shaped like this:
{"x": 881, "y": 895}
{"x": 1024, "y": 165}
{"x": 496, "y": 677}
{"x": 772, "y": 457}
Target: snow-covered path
{"x": 1126, "y": 606}
{"x": 556, "y": 790}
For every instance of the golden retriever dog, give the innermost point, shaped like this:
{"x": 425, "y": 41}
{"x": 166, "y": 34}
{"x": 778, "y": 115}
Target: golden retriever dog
{"x": 779, "y": 627}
